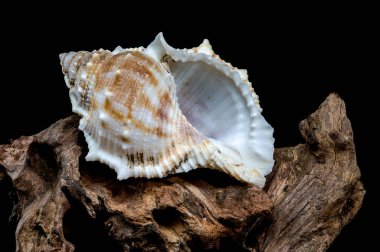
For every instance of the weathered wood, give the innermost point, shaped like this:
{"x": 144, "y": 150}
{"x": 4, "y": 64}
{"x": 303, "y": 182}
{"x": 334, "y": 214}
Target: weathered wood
{"x": 313, "y": 192}
{"x": 315, "y": 187}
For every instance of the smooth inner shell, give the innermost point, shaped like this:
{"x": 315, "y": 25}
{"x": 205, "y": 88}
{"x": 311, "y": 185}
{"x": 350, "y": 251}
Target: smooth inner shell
{"x": 213, "y": 104}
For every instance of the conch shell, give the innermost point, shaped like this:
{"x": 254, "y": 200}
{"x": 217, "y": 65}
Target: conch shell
{"x": 160, "y": 110}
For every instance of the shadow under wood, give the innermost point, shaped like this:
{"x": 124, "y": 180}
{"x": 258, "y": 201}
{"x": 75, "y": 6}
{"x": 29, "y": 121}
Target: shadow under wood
{"x": 85, "y": 233}
{"x": 167, "y": 217}
{"x": 42, "y": 161}
{"x": 214, "y": 178}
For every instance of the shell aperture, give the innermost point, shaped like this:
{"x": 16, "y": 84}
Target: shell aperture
{"x": 160, "y": 110}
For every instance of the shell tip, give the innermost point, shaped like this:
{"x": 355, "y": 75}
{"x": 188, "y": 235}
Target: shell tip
{"x": 62, "y": 56}
{"x": 156, "y": 49}
{"x": 118, "y": 50}
{"x": 205, "y": 48}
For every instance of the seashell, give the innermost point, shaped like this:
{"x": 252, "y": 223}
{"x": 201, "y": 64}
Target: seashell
{"x": 160, "y": 110}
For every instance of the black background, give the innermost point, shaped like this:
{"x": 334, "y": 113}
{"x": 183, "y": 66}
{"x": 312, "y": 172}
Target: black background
{"x": 295, "y": 57}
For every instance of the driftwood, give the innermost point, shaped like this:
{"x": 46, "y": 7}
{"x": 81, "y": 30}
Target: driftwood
{"x": 61, "y": 200}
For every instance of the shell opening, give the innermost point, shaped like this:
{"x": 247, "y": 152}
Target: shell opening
{"x": 214, "y": 105}
{"x": 204, "y": 96}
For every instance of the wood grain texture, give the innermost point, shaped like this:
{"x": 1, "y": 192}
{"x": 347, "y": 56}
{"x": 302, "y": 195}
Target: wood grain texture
{"x": 315, "y": 187}
{"x": 313, "y": 191}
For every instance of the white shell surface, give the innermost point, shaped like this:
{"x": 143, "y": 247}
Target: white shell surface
{"x": 156, "y": 111}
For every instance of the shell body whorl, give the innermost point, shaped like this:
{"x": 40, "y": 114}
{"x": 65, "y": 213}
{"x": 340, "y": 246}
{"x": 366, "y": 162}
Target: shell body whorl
{"x": 156, "y": 111}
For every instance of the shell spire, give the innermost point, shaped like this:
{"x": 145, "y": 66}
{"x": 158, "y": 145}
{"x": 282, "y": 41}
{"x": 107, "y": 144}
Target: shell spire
{"x": 160, "y": 110}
